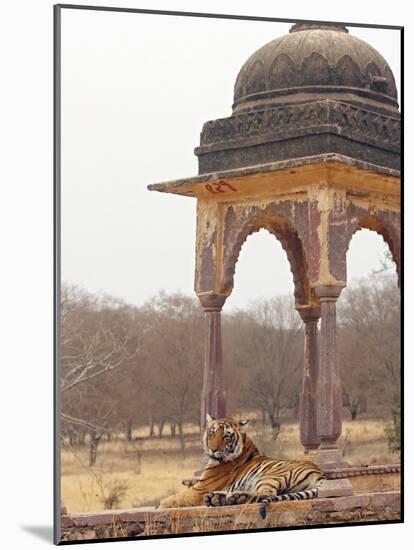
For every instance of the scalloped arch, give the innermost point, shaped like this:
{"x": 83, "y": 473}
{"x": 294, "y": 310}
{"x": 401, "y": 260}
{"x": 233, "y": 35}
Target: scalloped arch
{"x": 389, "y": 234}
{"x": 291, "y": 242}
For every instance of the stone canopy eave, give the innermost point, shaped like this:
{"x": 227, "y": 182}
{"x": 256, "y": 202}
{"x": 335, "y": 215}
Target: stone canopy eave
{"x": 286, "y": 176}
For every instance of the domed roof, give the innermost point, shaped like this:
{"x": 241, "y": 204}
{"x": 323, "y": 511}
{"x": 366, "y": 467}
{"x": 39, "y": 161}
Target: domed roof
{"x": 316, "y": 91}
{"x": 314, "y": 59}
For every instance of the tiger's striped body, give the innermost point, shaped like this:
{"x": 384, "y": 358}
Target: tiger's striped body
{"x": 237, "y": 473}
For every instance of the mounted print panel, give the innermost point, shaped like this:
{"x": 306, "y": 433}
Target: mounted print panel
{"x": 228, "y": 274}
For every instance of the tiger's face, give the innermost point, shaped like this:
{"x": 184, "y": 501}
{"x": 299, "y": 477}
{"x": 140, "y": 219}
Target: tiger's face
{"x": 223, "y": 439}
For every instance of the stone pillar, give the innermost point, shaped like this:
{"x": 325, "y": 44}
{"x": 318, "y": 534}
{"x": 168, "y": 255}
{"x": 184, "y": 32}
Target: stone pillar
{"x": 213, "y": 393}
{"x": 328, "y": 388}
{"x": 307, "y": 411}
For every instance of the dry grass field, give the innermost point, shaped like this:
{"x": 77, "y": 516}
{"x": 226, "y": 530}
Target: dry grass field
{"x": 145, "y": 470}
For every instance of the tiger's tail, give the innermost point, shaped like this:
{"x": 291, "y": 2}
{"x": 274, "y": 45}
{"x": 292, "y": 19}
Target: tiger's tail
{"x": 301, "y": 495}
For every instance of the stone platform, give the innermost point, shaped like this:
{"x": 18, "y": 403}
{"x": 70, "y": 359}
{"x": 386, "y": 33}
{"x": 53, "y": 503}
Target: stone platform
{"x": 152, "y": 522}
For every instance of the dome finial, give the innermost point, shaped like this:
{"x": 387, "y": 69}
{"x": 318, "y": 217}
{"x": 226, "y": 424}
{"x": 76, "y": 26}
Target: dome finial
{"x": 309, "y": 26}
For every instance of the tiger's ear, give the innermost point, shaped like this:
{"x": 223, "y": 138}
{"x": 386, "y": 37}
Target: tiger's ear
{"x": 243, "y": 422}
{"x": 210, "y": 419}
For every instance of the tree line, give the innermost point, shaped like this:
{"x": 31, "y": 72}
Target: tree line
{"x": 124, "y": 366}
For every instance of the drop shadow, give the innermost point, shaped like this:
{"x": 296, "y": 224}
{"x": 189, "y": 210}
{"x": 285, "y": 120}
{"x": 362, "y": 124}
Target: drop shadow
{"x": 43, "y": 532}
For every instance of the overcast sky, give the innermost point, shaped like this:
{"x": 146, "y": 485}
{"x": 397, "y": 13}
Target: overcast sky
{"x": 136, "y": 92}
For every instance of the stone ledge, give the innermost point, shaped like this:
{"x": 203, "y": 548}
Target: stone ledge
{"x": 189, "y": 186}
{"x": 141, "y": 522}
{"x": 335, "y": 488}
{"x": 363, "y": 470}
{"x": 91, "y": 519}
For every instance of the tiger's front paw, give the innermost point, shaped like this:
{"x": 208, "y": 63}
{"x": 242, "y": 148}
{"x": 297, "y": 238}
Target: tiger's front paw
{"x": 238, "y": 498}
{"x": 215, "y": 499}
{"x": 168, "y": 502}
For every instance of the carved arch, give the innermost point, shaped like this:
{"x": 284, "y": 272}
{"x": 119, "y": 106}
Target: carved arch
{"x": 285, "y": 233}
{"x": 315, "y": 70}
{"x": 282, "y": 72}
{"x": 347, "y": 71}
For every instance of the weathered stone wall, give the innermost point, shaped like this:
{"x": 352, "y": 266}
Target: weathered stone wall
{"x": 380, "y": 482}
{"x": 154, "y": 522}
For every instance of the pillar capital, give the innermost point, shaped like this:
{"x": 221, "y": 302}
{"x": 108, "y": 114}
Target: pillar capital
{"x": 329, "y": 293}
{"x": 309, "y": 314}
{"x": 212, "y": 302}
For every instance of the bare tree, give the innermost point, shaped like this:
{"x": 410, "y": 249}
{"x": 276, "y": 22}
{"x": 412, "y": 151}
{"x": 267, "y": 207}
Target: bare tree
{"x": 98, "y": 339}
{"x": 369, "y": 343}
{"x": 94, "y": 340}
{"x": 174, "y": 345}
{"x": 270, "y": 348}
{"x": 356, "y": 374}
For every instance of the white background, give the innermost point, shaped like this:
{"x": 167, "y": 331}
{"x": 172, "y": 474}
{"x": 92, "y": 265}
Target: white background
{"x": 26, "y": 274}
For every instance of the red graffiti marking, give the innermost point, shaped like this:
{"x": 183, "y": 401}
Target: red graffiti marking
{"x": 217, "y": 187}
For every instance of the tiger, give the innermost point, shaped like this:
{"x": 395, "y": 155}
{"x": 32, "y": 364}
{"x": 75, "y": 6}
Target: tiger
{"x": 237, "y": 473}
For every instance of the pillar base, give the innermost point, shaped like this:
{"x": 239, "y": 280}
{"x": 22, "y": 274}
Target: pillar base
{"x": 335, "y": 488}
{"x": 330, "y": 459}
{"x": 311, "y": 450}
{"x": 310, "y": 454}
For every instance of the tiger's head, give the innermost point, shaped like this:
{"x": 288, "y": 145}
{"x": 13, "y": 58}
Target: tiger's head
{"x": 223, "y": 439}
